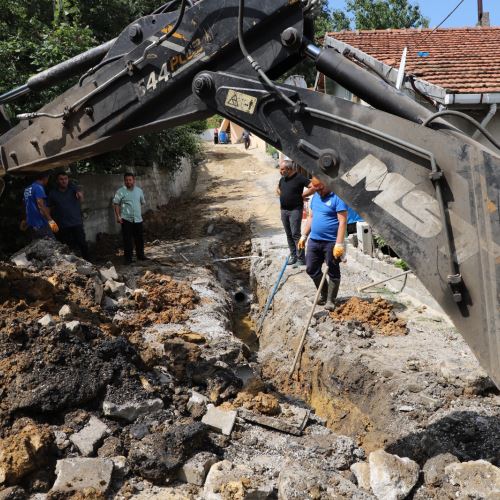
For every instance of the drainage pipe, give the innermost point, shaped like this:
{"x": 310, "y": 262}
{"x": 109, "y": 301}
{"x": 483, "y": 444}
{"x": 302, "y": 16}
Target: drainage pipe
{"x": 487, "y": 119}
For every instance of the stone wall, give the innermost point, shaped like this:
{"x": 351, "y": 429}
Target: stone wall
{"x": 159, "y": 187}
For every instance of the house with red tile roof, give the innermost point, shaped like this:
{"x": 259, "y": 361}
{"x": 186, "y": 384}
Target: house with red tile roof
{"x": 455, "y": 68}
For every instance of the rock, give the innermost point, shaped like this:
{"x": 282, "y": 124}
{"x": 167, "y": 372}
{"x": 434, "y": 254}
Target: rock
{"x": 98, "y": 292}
{"x": 111, "y": 447}
{"x": 65, "y": 312}
{"x": 226, "y": 480}
{"x": 115, "y": 288}
{"x": 77, "y": 474}
{"x": 73, "y": 326}
{"x": 478, "y": 479}
{"x": 110, "y": 303}
{"x": 195, "y": 470}
{"x": 20, "y": 260}
{"x": 46, "y": 320}
{"x": 210, "y": 229}
{"x": 131, "y": 410}
{"x": 361, "y": 471}
{"x": 157, "y": 457}
{"x": 197, "y": 398}
{"x": 392, "y": 477}
{"x": 434, "y": 468}
{"x": 138, "y": 431}
{"x": 85, "y": 270}
{"x": 24, "y": 452}
{"x": 108, "y": 274}
{"x": 120, "y": 465}
{"x": 13, "y": 493}
{"x": 220, "y": 420}
{"x": 88, "y": 439}
{"x": 298, "y": 482}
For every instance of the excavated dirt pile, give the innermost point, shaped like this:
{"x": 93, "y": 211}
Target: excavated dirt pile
{"x": 377, "y": 315}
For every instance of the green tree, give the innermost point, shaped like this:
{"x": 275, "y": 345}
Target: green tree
{"x": 340, "y": 20}
{"x": 383, "y": 14}
{"x": 37, "y": 34}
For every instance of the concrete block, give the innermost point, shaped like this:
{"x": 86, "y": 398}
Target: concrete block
{"x": 46, "y": 320}
{"x": 77, "y": 474}
{"x": 88, "y": 439}
{"x": 115, "y": 288}
{"x": 20, "y": 260}
{"x": 195, "y": 470}
{"x": 65, "y": 312}
{"x": 361, "y": 471}
{"x": 73, "y": 326}
{"x": 220, "y": 420}
{"x": 131, "y": 410}
{"x": 392, "y": 477}
{"x": 108, "y": 274}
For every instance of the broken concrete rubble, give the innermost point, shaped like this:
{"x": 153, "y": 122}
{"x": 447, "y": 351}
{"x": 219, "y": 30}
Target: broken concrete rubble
{"x": 65, "y": 312}
{"x": 195, "y": 470}
{"x": 434, "y": 468}
{"x": 477, "y": 479}
{"x": 131, "y": 410}
{"x": 90, "y": 436}
{"x": 220, "y": 420}
{"x": 108, "y": 274}
{"x": 46, "y": 320}
{"x": 392, "y": 477}
{"x": 79, "y": 474}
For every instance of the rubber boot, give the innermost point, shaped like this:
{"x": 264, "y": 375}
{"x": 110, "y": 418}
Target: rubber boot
{"x": 333, "y": 290}
{"x": 324, "y": 290}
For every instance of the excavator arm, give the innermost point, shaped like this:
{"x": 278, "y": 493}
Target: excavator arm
{"x": 431, "y": 191}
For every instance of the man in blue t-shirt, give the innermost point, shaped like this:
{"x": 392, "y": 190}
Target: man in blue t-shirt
{"x": 326, "y": 228}
{"x": 38, "y": 217}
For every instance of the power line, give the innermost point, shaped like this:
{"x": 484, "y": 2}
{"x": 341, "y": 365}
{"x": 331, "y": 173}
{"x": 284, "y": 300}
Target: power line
{"x": 442, "y": 22}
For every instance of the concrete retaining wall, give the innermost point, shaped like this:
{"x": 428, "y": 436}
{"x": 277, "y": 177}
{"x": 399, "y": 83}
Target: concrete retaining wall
{"x": 159, "y": 187}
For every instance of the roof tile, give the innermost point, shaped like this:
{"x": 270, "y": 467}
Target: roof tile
{"x": 461, "y": 60}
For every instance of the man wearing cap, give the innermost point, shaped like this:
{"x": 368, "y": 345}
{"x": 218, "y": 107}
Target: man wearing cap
{"x": 291, "y": 192}
{"x": 38, "y": 218}
{"x": 326, "y": 229}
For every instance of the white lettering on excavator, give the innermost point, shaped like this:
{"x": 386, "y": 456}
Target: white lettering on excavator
{"x": 415, "y": 209}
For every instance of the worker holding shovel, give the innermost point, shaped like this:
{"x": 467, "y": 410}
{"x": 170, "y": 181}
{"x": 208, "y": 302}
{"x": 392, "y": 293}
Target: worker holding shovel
{"x": 326, "y": 229}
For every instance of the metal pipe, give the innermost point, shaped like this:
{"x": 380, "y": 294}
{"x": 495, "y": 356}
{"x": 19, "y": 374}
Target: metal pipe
{"x": 480, "y": 12}
{"x": 486, "y": 120}
{"x": 363, "y": 288}
{"x": 14, "y": 94}
{"x": 366, "y": 86}
{"x": 69, "y": 68}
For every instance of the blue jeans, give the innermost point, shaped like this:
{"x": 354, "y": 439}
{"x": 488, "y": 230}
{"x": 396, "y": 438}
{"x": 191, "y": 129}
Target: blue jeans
{"x": 319, "y": 251}
{"x": 292, "y": 220}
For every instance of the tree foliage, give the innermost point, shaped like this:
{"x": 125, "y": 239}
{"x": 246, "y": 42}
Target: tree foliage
{"x": 38, "y": 34}
{"x": 379, "y": 14}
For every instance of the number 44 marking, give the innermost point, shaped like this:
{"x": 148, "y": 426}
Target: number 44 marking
{"x": 153, "y": 81}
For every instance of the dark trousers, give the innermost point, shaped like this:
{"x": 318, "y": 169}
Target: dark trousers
{"x": 292, "y": 220}
{"x": 319, "y": 251}
{"x": 42, "y": 232}
{"x": 74, "y": 237}
{"x": 132, "y": 234}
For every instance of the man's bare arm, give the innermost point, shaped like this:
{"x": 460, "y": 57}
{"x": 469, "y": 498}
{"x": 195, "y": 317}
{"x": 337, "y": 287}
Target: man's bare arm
{"x": 342, "y": 217}
{"x": 118, "y": 214}
{"x": 44, "y": 210}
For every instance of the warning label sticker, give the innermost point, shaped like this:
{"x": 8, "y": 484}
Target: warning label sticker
{"x": 241, "y": 102}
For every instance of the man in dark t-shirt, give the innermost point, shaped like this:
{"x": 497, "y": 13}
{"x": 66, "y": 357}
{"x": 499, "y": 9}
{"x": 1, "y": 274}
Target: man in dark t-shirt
{"x": 65, "y": 205}
{"x": 291, "y": 189}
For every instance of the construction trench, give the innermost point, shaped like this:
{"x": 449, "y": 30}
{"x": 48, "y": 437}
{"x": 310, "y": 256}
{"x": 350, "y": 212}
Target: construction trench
{"x": 151, "y": 382}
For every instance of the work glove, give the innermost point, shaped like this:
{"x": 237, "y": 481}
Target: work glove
{"x": 302, "y": 242}
{"x": 53, "y": 226}
{"x": 339, "y": 250}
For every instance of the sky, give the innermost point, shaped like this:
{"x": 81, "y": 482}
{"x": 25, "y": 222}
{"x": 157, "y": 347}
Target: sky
{"x": 437, "y": 10}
